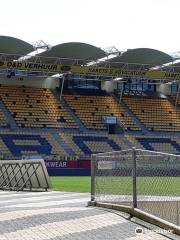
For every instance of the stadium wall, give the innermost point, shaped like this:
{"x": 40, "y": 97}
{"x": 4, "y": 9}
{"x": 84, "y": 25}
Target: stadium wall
{"x": 108, "y": 86}
{"x": 31, "y": 81}
{"x": 69, "y": 168}
{"x": 164, "y": 88}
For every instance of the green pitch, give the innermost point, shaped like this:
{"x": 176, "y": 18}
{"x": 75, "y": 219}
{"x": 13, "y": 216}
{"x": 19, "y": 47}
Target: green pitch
{"x": 71, "y": 184}
{"x": 120, "y": 185}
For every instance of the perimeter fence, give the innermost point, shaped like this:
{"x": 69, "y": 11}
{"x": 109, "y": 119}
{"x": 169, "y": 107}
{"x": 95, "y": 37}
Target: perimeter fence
{"x": 138, "y": 179}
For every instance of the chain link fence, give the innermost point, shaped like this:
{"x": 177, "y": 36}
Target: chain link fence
{"x": 147, "y": 180}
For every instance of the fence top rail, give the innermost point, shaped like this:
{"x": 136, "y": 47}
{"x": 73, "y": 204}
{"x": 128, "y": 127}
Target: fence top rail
{"x": 40, "y": 161}
{"x": 158, "y": 153}
{"x": 120, "y": 157}
{"x": 103, "y": 154}
{"x": 128, "y": 153}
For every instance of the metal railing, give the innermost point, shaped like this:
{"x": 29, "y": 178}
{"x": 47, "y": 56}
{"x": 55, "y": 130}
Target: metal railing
{"x": 20, "y": 175}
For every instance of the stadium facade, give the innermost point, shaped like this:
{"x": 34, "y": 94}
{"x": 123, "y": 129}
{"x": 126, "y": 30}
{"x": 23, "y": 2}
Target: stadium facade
{"x": 73, "y": 100}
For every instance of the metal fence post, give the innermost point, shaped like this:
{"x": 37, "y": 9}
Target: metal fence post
{"x": 134, "y": 177}
{"x": 93, "y": 178}
{"x": 178, "y": 213}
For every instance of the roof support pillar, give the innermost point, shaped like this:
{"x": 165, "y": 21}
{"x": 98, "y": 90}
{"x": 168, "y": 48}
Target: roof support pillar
{"x": 177, "y": 95}
{"x": 62, "y": 86}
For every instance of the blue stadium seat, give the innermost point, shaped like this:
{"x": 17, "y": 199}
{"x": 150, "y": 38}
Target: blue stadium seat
{"x": 146, "y": 142}
{"x": 81, "y": 142}
{"x": 24, "y": 144}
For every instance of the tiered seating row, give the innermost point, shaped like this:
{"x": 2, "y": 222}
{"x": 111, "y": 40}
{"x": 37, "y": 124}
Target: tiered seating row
{"x": 35, "y": 107}
{"x": 174, "y": 99}
{"x": 156, "y": 114}
{"x": 17, "y": 144}
{"x": 86, "y": 144}
{"x": 156, "y": 143}
{"x": 91, "y": 109}
{"x": 3, "y": 119}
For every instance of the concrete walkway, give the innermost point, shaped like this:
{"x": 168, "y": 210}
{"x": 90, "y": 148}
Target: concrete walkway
{"x": 63, "y": 216}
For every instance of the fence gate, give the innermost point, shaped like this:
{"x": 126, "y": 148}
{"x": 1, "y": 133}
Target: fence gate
{"x": 19, "y": 175}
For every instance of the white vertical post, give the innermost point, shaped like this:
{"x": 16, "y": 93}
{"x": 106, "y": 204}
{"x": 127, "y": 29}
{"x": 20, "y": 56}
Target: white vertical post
{"x": 134, "y": 177}
{"x": 62, "y": 86}
{"x": 121, "y": 93}
{"x": 177, "y": 95}
{"x": 93, "y": 165}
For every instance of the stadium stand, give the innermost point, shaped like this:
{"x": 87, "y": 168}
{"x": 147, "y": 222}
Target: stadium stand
{"x": 3, "y": 119}
{"x": 168, "y": 144}
{"x": 86, "y": 144}
{"x": 91, "y": 110}
{"x": 17, "y": 144}
{"x": 35, "y": 107}
{"x": 173, "y": 97}
{"x": 45, "y": 126}
{"x": 156, "y": 114}
{"x": 27, "y": 104}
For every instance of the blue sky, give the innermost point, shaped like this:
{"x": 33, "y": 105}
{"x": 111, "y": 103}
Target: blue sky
{"x": 125, "y": 24}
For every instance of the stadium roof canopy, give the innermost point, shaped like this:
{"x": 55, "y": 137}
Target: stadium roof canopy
{"x": 75, "y": 50}
{"x": 143, "y": 56}
{"x": 10, "y": 45}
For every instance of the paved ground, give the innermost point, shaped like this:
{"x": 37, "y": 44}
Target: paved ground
{"x": 63, "y": 216}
